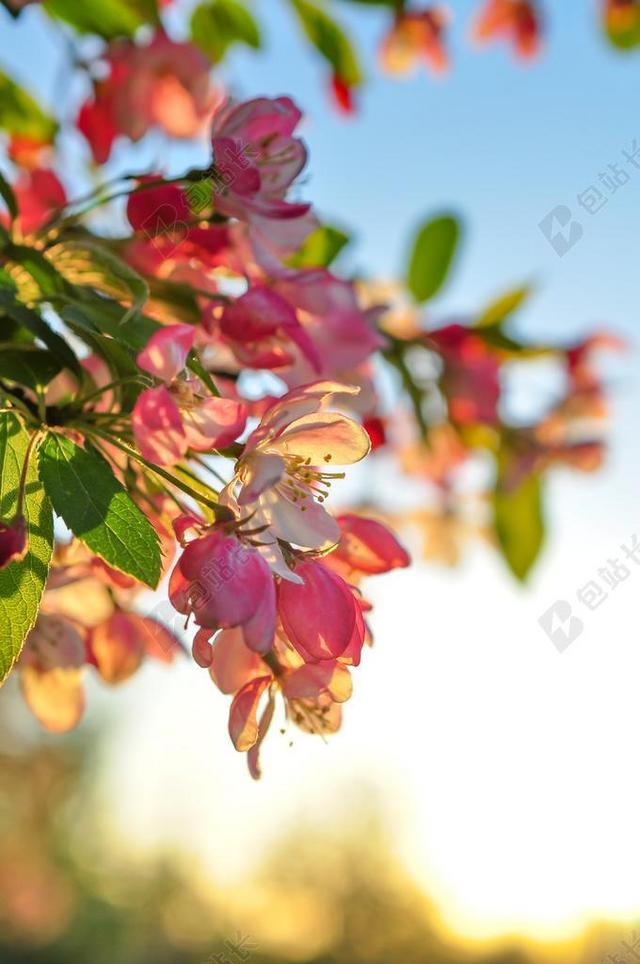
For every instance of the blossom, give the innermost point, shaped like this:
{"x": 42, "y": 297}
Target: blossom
{"x": 471, "y": 377}
{"x": 167, "y": 421}
{"x": 281, "y": 479}
{"x": 263, "y": 327}
{"x": 516, "y": 20}
{"x": 159, "y": 84}
{"x": 38, "y": 194}
{"x": 256, "y": 160}
{"x": 303, "y": 324}
{"x": 83, "y": 623}
{"x": 312, "y": 693}
{"x": 256, "y": 155}
{"x": 415, "y": 34}
{"x": 174, "y": 240}
{"x": 224, "y": 584}
{"x": 13, "y": 540}
{"x": 342, "y": 334}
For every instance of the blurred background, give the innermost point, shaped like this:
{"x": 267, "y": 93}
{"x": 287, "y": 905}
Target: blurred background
{"x": 480, "y": 802}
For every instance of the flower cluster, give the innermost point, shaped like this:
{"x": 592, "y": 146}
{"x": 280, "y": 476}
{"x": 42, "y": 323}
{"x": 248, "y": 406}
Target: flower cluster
{"x": 185, "y": 395}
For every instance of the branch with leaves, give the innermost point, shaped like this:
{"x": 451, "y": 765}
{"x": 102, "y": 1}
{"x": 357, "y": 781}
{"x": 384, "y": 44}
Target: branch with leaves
{"x": 180, "y": 397}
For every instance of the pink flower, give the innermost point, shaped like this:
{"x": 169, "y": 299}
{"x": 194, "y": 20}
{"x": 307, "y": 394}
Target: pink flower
{"x": 471, "y": 378}
{"x": 342, "y": 334}
{"x": 157, "y": 427}
{"x": 165, "y": 355}
{"x": 169, "y": 421}
{"x": 226, "y": 584}
{"x": 172, "y": 243}
{"x": 312, "y": 693}
{"x": 255, "y": 151}
{"x": 415, "y": 34}
{"x": 261, "y": 326}
{"x": 38, "y": 194}
{"x": 281, "y": 479}
{"x": 159, "y": 84}
{"x": 256, "y": 160}
{"x": 13, "y": 540}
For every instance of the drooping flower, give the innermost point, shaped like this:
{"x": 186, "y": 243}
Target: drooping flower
{"x": 223, "y": 584}
{"x": 282, "y": 477}
{"x": 312, "y": 693}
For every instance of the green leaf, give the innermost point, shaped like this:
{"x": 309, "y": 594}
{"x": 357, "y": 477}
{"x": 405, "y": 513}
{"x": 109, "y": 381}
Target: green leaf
{"x": 21, "y": 583}
{"x": 107, "y": 18}
{"x": 32, "y": 321}
{"x": 94, "y": 313}
{"x": 21, "y": 115}
{"x": 9, "y": 198}
{"x": 329, "y": 40}
{"x": 94, "y": 505}
{"x": 120, "y": 362}
{"x": 88, "y": 264}
{"x": 499, "y": 310}
{"x": 320, "y": 248}
{"x": 519, "y": 521}
{"x": 215, "y": 26}
{"x": 28, "y": 366}
{"x": 433, "y": 250}
{"x": 177, "y": 298}
{"x": 34, "y": 276}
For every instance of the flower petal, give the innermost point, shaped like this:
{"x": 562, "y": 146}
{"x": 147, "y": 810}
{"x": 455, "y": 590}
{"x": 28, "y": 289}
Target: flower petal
{"x": 368, "y": 546}
{"x": 312, "y": 679}
{"x": 318, "y": 617}
{"x": 157, "y": 427}
{"x": 243, "y": 723}
{"x": 323, "y": 439}
{"x": 214, "y": 423}
{"x": 117, "y": 648}
{"x": 258, "y": 473}
{"x": 55, "y": 697}
{"x": 233, "y": 664}
{"x": 166, "y": 351}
